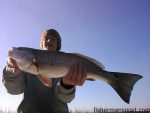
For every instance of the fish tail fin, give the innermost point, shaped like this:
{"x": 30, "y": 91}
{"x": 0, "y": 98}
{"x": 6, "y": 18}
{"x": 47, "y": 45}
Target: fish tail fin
{"x": 123, "y": 84}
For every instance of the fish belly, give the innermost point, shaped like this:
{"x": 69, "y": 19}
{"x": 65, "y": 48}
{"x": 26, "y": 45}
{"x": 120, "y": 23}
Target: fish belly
{"x": 53, "y": 71}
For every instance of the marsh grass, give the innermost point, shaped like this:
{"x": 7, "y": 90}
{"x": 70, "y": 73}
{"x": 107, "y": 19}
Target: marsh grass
{"x": 7, "y": 111}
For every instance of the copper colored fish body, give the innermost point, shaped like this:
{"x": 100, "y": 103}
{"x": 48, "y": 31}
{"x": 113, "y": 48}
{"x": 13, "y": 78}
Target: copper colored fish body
{"x": 54, "y": 64}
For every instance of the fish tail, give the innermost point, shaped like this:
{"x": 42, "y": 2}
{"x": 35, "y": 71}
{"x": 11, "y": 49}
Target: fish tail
{"x": 123, "y": 84}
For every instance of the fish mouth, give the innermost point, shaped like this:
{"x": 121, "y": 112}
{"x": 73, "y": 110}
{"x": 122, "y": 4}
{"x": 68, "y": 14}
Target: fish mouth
{"x": 11, "y": 51}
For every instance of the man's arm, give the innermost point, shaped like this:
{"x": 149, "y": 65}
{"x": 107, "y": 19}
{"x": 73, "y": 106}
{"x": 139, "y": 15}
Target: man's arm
{"x": 13, "y": 79}
{"x": 66, "y": 88}
{"x": 65, "y": 93}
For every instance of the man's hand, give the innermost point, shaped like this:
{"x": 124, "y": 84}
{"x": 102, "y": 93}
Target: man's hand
{"x": 12, "y": 66}
{"x": 76, "y": 76}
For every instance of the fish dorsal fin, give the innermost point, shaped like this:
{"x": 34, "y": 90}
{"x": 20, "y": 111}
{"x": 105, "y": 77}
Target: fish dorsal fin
{"x": 90, "y": 59}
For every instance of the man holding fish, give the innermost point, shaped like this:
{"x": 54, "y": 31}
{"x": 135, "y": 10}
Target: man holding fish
{"x": 38, "y": 98}
{"x": 51, "y": 63}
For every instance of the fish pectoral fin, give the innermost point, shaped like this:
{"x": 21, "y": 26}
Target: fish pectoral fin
{"x": 91, "y": 79}
{"x": 45, "y": 80}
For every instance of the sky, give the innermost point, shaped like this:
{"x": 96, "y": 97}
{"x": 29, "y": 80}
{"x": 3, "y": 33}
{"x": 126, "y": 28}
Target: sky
{"x": 115, "y": 32}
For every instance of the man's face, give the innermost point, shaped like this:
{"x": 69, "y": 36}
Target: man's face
{"x": 50, "y": 43}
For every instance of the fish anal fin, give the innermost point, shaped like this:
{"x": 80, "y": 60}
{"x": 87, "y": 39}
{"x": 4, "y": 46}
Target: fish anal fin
{"x": 45, "y": 80}
{"x": 90, "y": 79}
